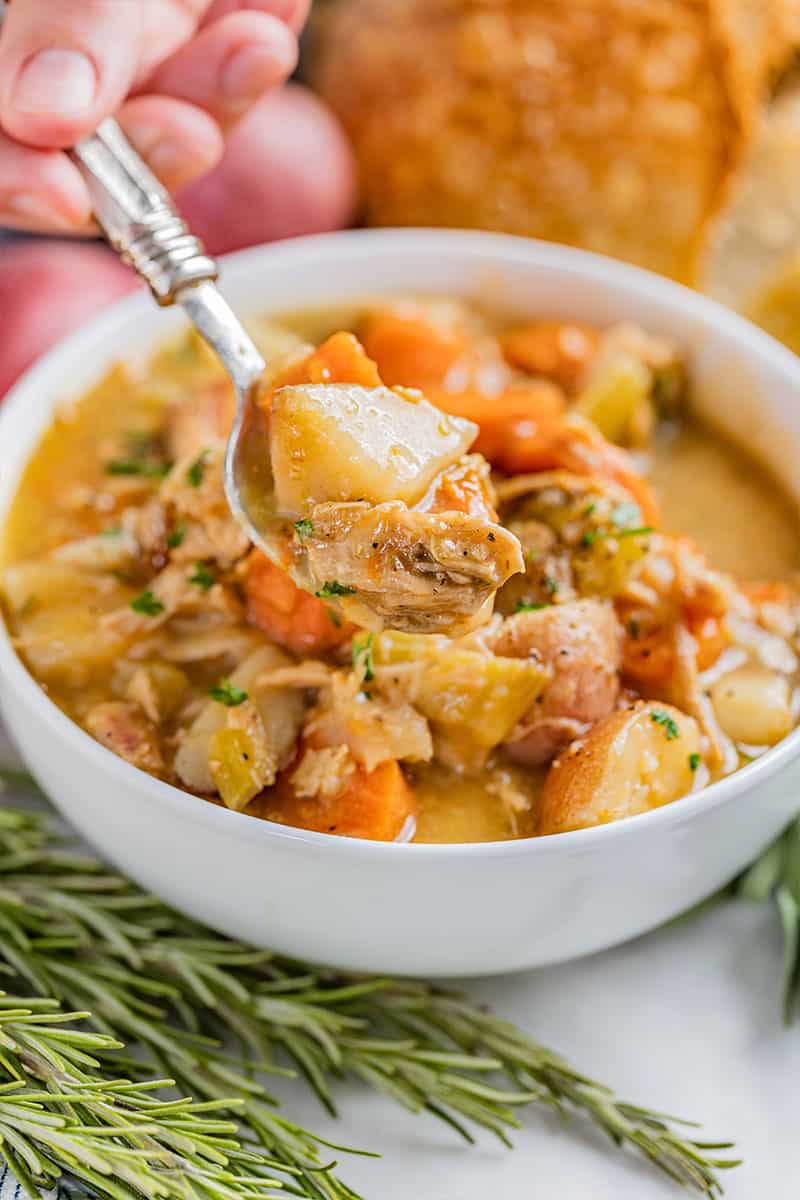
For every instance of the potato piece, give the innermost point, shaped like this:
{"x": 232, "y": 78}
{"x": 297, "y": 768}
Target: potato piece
{"x": 634, "y": 760}
{"x": 54, "y": 611}
{"x": 617, "y": 399}
{"x": 753, "y": 705}
{"x": 343, "y": 442}
{"x": 280, "y": 710}
{"x": 472, "y": 700}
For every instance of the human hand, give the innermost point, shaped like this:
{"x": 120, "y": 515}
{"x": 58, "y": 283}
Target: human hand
{"x": 177, "y": 73}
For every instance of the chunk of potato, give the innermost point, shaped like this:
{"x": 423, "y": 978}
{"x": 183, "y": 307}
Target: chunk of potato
{"x": 753, "y": 705}
{"x": 472, "y": 700}
{"x": 634, "y": 760}
{"x": 280, "y": 710}
{"x": 340, "y": 442}
{"x": 54, "y": 611}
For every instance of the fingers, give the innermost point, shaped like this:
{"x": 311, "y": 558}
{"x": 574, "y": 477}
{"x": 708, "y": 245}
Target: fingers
{"x": 40, "y": 190}
{"x": 292, "y": 12}
{"x": 65, "y": 65}
{"x": 178, "y": 140}
{"x": 229, "y": 65}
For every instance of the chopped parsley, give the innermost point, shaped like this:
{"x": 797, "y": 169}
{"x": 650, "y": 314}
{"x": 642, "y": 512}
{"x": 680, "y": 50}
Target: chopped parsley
{"x": 590, "y": 508}
{"x": 550, "y": 585}
{"x": 332, "y": 589}
{"x": 671, "y": 730}
{"x": 694, "y": 761}
{"x": 175, "y": 539}
{"x": 197, "y": 470}
{"x": 228, "y": 693}
{"x": 362, "y": 657}
{"x": 626, "y": 515}
{"x": 138, "y": 466}
{"x": 202, "y": 577}
{"x": 525, "y": 606}
{"x": 590, "y": 537}
{"x": 334, "y": 617}
{"x": 147, "y": 605}
{"x": 304, "y": 528}
{"x": 640, "y": 532}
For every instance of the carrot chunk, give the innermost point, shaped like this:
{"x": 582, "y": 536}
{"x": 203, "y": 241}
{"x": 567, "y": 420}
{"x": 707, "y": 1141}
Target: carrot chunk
{"x": 559, "y": 350}
{"x": 374, "y": 804}
{"x": 410, "y": 351}
{"x": 340, "y": 359}
{"x": 289, "y": 616}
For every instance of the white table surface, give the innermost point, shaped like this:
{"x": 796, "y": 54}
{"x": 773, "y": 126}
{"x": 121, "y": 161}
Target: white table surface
{"x": 685, "y": 1020}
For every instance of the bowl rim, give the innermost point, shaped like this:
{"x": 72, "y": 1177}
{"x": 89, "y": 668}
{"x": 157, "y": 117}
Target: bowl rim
{"x": 478, "y": 245}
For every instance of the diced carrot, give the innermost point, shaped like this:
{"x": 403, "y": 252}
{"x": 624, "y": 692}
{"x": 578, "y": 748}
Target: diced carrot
{"x": 560, "y": 350}
{"x": 411, "y": 351}
{"x": 340, "y": 359}
{"x": 289, "y": 616}
{"x": 649, "y": 656}
{"x": 711, "y": 636}
{"x": 461, "y": 488}
{"x": 374, "y": 804}
{"x": 768, "y": 592}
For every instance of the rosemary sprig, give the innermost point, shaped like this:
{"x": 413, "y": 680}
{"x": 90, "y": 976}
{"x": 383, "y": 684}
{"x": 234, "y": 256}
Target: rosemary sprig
{"x": 73, "y": 930}
{"x": 60, "y": 1113}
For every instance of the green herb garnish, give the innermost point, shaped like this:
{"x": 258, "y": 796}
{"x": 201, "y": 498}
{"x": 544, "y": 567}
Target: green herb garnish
{"x": 334, "y": 617}
{"x": 175, "y": 539}
{"x": 202, "y": 577}
{"x": 197, "y": 470}
{"x": 138, "y": 466}
{"x": 550, "y": 585}
{"x": 525, "y": 606}
{"x": 228, "y": 693}
{"x": 147, "y": 604}
{"x": 362, "y": 657}
{"x": 113, "y": 531}
{"x": 671, "y": 730}
{"x": 694, "y": 761}
{"x": 640, "y": 532}
{"x": 590, "y": 537}
{"x": 304, "y": 528}
{"x": 331, "y": 589}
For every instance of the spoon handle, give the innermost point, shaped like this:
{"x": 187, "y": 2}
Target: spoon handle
{"x": 138, "y": 217}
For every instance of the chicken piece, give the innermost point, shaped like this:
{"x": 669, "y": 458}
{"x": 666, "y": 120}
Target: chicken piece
{"x": 124, "y": 729}
{"x": 114, "y": 550}
{"x": 194, "y": 490}
{"x": 581, "y": 643}
{"x": 417, "y": 571}
{"x": 373, "y": 730}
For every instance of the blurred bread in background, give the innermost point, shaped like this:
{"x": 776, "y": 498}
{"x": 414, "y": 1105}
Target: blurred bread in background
{"x": 629, "y": 127}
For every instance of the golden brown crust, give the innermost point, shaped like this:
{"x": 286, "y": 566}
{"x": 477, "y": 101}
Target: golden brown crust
{"x": 612, "y": 124}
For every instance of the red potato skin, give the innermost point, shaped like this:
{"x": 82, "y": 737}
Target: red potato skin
{"x": 287, "y": 170}
{"x": 48, "y": 289}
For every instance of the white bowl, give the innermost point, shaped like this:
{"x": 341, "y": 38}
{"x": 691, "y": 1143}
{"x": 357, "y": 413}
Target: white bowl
{"x": 419, "y": 910}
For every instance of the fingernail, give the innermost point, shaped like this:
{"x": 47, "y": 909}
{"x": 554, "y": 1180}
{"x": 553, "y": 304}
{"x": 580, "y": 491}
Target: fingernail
{"x": 32, "y": 211}
{"x": 62, "y": 82}
{"x": 250, "y": 72}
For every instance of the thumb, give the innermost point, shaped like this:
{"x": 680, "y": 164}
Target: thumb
{"x": 64, "y": 66}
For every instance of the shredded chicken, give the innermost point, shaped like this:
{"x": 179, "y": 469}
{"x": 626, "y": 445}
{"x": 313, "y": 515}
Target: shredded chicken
{"x": 418, "y": 571}
{"x": 374, "y": 730}
{"x": 126, "y": 730}
{"x": 323, "y": 773}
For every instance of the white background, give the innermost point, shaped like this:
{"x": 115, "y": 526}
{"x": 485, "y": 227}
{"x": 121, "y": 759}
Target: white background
{"x": 686, "y": 1020}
